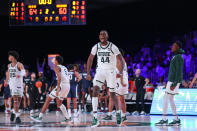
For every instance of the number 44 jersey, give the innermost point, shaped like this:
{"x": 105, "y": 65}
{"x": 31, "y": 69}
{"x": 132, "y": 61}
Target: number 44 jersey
{"x": 106, "y": 55}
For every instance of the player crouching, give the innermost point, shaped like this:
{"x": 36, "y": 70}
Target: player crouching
{"x": 60, "y": 92}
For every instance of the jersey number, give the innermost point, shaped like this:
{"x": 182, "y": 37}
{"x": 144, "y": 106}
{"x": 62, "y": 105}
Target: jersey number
{"x": 12, "y": 75}
{"x": 105, "y": 60}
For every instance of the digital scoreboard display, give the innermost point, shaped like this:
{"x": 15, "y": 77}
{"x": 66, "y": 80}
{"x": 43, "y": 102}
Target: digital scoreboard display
{"x": 186, "y": 102}
{"x": 47, "y": 12}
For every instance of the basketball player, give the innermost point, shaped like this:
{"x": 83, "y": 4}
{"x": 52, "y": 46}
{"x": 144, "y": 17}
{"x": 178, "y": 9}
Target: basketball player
{"x": 85, "y": 86}
{"x": 107, "y": 54}
{"x": 121, "y": 90}
{"x": 175, "y": 77}
{"x": 15, "y": 79}
{"x": 6, "y": 94}
{"x": 75, "y": 77}
{"x": 60, "y": 92}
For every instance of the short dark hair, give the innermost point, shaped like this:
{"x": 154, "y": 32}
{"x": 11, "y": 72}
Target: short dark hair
{"x": 14, "y": 54}
{"x": 59, "y": 59}
{"x": 121, "y": 51}
{"x": 179, "y": 43}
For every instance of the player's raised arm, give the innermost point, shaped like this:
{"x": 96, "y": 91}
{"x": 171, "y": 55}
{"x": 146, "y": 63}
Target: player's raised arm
{"x": 194, "y": 79}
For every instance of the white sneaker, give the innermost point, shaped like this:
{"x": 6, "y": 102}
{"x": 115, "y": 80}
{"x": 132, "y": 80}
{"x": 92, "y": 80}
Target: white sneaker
{"x": 142, "y": 113}
{"x": 135, "y": 113}
{"x": 31, "y": 112}
{"x": 6, "y": 112}
{"x": 58, "y": 113}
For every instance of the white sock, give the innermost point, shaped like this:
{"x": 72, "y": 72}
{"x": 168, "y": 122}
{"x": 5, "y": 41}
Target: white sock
{"x": 69, "y": 112}
{"x": 118, "y": 111}
{"x": 173, "y": 106}
{"x": 123, "y": 114}
{"x": 64, "y": 111}
{"x": 109, "y": 113}
{"x": 165, "y": 105}
{"x": 94, "y": 103}
{"x": 75, "y": 110}
{"x": 95, "y": 115}
{"x": 17, "y": 114}
{"x": 41, "y": 115}
{"x": 79, "y": 106}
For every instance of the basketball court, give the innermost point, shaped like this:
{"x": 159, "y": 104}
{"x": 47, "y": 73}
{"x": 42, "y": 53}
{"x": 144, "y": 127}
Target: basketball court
{"x": 52, "y": 122}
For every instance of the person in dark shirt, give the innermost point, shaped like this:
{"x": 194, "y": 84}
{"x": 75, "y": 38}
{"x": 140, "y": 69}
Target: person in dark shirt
{"x": 44, "y": 87}
{"x": 6, "y": 94}
{"x": 140, "y": 92}
{"x": 85, "y": 83}
{"x": 26, "y": 80}
{"x": 33, "y": 93}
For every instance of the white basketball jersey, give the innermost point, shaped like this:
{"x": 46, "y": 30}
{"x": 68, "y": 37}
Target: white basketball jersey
{"x": 13, "y": 80}
{"x": 106, "y": 58}
{"x": 125, "y": 73}
{"x": 64, "y": 74}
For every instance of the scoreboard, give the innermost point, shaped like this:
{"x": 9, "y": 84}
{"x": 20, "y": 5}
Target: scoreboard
{"x": 47, "y": 12}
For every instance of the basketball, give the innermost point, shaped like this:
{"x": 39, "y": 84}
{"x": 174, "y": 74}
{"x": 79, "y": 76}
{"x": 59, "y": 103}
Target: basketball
{"x": 38, "y": 84}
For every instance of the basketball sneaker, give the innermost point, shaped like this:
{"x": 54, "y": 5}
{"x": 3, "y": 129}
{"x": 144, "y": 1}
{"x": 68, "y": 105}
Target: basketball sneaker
{"x": 118, "y": 118}
{"x": 18, "y": 120}
{"x": 108, "y": 117}
{"x": 175, "y": 123}
{"x": 12, "y": 116}
{"x": 36, "y": 118}
{"x": 162, "y": 123}
{"x": 124, "y": 119}
{"x": 95, "y": 122}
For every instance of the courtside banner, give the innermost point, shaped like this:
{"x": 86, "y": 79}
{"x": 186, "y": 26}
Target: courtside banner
{"x": 186, "y": 102}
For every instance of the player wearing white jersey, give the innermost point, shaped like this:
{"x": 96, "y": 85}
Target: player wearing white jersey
{"x": 15, "y": 80}
{"x": 107, "y": 54}
{"x": 60, "y": 92}
{"x": 121, "y": 90}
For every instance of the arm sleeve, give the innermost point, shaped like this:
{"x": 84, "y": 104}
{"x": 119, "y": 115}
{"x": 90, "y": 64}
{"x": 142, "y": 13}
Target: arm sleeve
{"x": 94, "y": 50}
{"x": 115, "y": 50}
{"x": 178, "y": 71}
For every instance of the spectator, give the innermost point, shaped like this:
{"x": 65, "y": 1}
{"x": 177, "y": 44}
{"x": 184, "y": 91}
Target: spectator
{"x": 40, "y": 67}
{"x": 139, "y": 82}
{"x": 33, "y": 93}
{"x": 26, "y": 80}
{"x": 44, "y": 87}
{"x": 103, "y": 98}
{"x": 149, "y": 89}
{"x": 193, "y": 81}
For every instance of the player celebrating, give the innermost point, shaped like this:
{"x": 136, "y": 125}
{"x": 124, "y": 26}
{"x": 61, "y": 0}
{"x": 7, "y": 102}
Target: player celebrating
{"x": 60, "y": 92}
{"x": 122, "y": 88}
{"x": 175, "y": 77}
{"x": 15, "y": 78}
{"x": 107, "y": 54}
